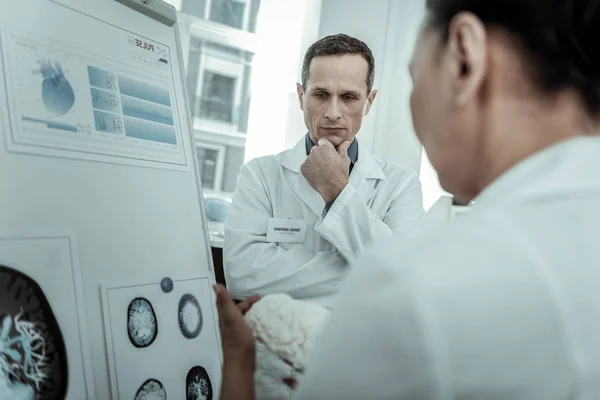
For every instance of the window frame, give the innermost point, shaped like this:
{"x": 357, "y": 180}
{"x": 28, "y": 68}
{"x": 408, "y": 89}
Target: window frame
{"x": 202, "y": 29}
{"x": 245, "y": 16}
{"x": 219, "y": 167}
{"x": 229, "y": 69}
{"x": 218, "y": 33}
{"x": 213, "y": 134}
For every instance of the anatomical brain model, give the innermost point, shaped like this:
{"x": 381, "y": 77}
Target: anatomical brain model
{"x": 288, "y": 327}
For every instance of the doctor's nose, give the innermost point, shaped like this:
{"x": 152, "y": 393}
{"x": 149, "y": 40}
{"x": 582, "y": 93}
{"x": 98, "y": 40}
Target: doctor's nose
{"x": 333, "y": 111}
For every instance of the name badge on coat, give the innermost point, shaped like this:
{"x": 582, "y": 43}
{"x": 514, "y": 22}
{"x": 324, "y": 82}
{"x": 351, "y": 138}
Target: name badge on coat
{"x": 284, "y": 230}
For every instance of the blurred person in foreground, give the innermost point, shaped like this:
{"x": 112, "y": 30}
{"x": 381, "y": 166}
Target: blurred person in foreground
{"x": 503, "y": 302}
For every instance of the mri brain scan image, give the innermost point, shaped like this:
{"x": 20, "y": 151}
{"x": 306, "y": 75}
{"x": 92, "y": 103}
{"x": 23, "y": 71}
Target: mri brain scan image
{"x": 151, "y": 390}
{"x": 198, "y": 386}
{"x": 142, "y": 325}
{"x": 33, "y": 356}
{"x": 190, "y": 316}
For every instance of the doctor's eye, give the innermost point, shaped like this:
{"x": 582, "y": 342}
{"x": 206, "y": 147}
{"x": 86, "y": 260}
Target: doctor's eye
{"x": 320, "y": 95}
{"x": 349, "y": 97}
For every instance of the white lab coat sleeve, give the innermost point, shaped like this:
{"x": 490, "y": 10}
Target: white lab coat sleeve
{"x": 252, "y": 265}
{"x": 376, "y": 344}
{"x": 351, "y": 226}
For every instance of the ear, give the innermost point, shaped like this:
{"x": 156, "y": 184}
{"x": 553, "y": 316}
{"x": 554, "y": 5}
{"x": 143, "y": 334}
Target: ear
{"x": 300, "y": 91}
{"x": 467, "y": 51}
{"x": 370, "y": 100}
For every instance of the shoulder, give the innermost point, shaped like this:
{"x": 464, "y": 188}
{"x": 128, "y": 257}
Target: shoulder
{"x": 394, "y": 172}
{"x": 265, "y": 165}
{"x": 466, "y": 270}
{"x": 262, "y": 162}
{"x": 401, "y": 181}
{"x": 397, "y": 172}
{"x": 472, "y": 245}
{"x": 465, "y": 289}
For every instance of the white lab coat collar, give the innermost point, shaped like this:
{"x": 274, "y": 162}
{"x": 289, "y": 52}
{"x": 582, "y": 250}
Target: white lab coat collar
{"x": 364, "y": 174}
{"x": 544, "y": 174}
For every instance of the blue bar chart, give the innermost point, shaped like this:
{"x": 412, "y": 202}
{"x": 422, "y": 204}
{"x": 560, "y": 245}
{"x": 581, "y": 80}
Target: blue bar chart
{"x": 130, "y": 107}
{"x": 137, "y": 108}
{"x": 145, "y": 91}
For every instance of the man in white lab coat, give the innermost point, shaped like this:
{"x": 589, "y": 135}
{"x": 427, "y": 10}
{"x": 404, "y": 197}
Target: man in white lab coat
{"x": 503, "y": 302}
{"x": 299, "y": 218}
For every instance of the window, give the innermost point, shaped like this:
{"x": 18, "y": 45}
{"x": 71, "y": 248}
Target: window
{"x": 217, "y": 101}
{"x": 238, "y": 14}
{"x": 228, "y": 12}
{"x": 219, "y": 42}
{"x": 219, "y": 81}
{"x": 197, "y": 8}
{"x": 210, "y": 166}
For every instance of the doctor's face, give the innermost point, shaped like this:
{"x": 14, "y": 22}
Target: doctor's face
{"x": 335, "y": 98}
{"x": 444, "y": 109}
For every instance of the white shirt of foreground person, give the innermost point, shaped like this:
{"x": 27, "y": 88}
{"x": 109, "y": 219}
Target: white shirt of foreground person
{"x": 502, "y": 303}
{"x": 380, "y": 197}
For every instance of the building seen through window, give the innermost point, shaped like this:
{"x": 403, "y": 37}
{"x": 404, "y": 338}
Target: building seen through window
{"x": 228, "y": 12}
{"x": 208, "y": 163}
{"x": 238, "y": 14}
{"x": 217, "y": 100}
{"x": 219, "y": 54}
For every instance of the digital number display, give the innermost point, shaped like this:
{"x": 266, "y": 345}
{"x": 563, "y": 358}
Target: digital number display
{"x": 108, "y": 123}
{"x": 111, "y": 82}
{"x": 84, "y": 129}
{"x": 105, "y": 101}
{"x": 131, "y": 107}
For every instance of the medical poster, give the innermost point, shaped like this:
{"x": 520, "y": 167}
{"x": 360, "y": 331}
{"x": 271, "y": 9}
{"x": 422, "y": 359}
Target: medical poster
{"x": 162, "y": 340}
{"x": 43, "y": 348}
{"x": 112, "y": 103}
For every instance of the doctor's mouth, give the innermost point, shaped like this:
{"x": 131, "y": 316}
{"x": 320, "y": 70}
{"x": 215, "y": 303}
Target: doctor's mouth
{"x": 333, "y": 129}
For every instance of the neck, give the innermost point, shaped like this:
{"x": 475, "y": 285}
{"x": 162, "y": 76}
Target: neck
{"x": 522, "y": 129}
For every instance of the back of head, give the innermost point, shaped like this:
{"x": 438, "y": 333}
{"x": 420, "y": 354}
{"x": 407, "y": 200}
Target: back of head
{"x": 338, "y": 45}
{"x": 558, "y": 36}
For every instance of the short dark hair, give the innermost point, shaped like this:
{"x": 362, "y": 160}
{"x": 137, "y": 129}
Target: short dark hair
{"x": 559, "y": 38}
{"x": 338, "y": 45}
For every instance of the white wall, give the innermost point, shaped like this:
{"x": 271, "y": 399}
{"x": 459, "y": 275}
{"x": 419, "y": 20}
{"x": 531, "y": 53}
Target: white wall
{"x": 296, "y": 128}
{"x": 389, "y": 27}
{"x": 430, "y": 183}
{"x": 284, "y": 30}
